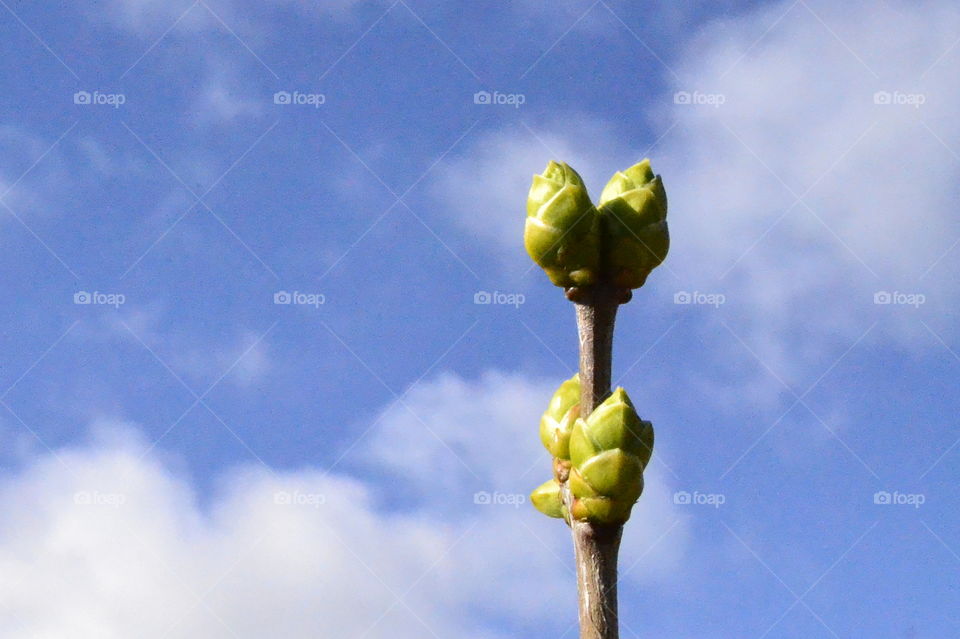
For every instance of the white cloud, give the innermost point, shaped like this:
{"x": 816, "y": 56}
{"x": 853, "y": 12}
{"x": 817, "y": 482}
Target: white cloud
{"x": 247, "y": 358}
{"x": 116, "y": 547}
{"x": 242, "y": 358}
{"x": 223, "y": 97}
{"x": 227, "y": 90}
{"x": 881, "y": 184}
{"x": 93, "y": 532}
{"x": 32, "y": 171}
{"x": 884, "y": 181}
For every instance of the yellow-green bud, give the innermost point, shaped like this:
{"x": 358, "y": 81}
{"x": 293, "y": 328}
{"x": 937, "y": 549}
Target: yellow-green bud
{"x": 609, "y": 451}
{"x": 557, "y": 421}
{"x": 633, "y": 207}
{"x": 603, "y": 510}
{"x": 615, "y": 424}
{"x": 546, "y": 498}
{"x": 562, "y": 230}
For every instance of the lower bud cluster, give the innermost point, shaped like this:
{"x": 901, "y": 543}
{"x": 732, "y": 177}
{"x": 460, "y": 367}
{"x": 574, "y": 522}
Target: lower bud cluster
{"x": 599, "y": 459}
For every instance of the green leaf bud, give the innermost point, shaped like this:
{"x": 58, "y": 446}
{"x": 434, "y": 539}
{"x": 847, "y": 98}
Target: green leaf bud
{"x": 633, "y": 207}
{"x": 612, "y": 473}
{"x": 578, "y": 487}
{"x": 562, "y": 232}
{"x": 556, "y": 435}
{"x": 608, "y": 452}
{"x": 602, "y": 510}
{"x": 557, "y": 422}
{"x": 614, "y": 424}
{"x": 546, "y": 499}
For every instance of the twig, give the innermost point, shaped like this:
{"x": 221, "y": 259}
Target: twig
{"x": 596, "y": 546}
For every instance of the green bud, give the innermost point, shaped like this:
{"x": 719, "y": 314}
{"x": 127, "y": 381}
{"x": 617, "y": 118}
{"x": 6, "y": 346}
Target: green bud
{"x": 609, "y": 451}
{"x": 612, "y": 473}
{"x": 603, "y": 510}
{"x": 562, "y": 230}
{"x": 557, "y": 422}
{"x": 614, "y": 424}
{"x": 546, "y": 499}
{"x": 633, "y": 207}
{"x": 556, "y": 435}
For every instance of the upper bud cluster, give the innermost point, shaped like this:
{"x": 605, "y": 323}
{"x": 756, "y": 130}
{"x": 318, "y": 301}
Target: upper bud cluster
{"x": 618, "y": 241}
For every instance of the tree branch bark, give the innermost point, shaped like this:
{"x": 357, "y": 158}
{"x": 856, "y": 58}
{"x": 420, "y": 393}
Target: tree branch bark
{"x": 596, "y": 547}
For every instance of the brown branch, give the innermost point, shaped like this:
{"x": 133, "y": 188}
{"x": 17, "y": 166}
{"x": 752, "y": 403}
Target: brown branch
{"x": 596, "y": 546}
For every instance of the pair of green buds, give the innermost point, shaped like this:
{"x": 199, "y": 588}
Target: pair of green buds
{"x": 600, "y": 459}
{"x": 619, "y": 241}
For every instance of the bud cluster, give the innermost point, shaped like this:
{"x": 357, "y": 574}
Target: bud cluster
{"x": 599, "y": 459}
{"x": 579, "y": 244}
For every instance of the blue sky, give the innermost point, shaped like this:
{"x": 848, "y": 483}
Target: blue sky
{"x": 253, "y": 468}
